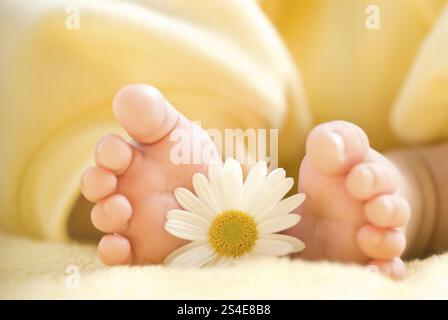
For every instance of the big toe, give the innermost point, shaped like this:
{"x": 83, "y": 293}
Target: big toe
{"x": 334, "y": 147}
{"x": 144, "y": 113}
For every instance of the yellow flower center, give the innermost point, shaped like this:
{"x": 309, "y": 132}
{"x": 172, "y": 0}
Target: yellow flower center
{"x": 233, "y": 233}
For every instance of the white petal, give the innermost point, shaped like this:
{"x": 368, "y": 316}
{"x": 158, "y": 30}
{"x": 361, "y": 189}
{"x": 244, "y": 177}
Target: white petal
{"x": 211, "y": 262}
{"x": 213, "y": 257}
{"x": 278, "y": 224}
{"x": 222, "y": 262}
{"x": 274, "y": 177}
{"x": 205, "y": 192}
{"x": 253, "y": 182}
{"x": 186, "y": 230}
{"x": 215, "y": 176}
{"x": 272, "y": 247}
{"x": 185, "y": 216}
{"x": 183, "y": 249}
{"x": 190, "y": 202}
{"x": 283, "y": 207}
{"x": 233, "y": 184}
{"x": 270, "y": 198}
{"x": 248, "y": 257}
{"x": 297, "y": 245}
{"x": 214, "y": 170}
{"x": 194, "y": 254}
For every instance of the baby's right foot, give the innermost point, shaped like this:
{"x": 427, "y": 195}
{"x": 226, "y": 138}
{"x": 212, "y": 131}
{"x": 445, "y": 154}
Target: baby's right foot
{"x": 353, "y": 212}
{"x": 133, "y": 183}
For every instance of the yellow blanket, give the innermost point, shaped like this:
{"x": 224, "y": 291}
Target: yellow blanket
{"x": 227, "y": 63}
{"x": 42, "y": 270}
{"x": 219, "y": 62}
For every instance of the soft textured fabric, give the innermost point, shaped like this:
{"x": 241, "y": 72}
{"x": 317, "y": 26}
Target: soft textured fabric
{"x": 218, "y": 61}
{"x": 392, "y": 81}
{"x": 42, "y": 270}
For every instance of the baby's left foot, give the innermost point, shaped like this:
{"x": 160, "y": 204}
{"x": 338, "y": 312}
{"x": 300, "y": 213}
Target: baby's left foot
{"x": 353, "y": 212}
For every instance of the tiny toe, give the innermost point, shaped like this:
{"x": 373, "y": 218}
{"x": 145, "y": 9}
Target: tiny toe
{"x": 112, "y": 214}
{"x": 381, "y": 244}
{"x": 97, "y": 183}
{"x": 370, "y": 179}
{"x": 334, "y": 147}
{"x": 394, "y": 268}
{"x": 144, "y": 113}
{"x": 114, "y": 153}
{"x": 115, "y": 249}
{"x": 388, "y": 211}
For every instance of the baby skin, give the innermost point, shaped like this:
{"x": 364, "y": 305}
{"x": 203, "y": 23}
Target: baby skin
{"x": 357, "y": 207}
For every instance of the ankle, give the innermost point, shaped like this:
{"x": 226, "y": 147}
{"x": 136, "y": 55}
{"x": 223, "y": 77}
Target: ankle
{"x": 418, "y": 187}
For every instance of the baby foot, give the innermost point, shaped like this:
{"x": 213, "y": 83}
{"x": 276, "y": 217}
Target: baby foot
{"x": 132, "y": 183}
{"x": 353, "y": 212}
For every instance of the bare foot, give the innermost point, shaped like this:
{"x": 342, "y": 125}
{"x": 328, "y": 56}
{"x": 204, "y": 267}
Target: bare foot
{"x": 353, "y": 212}
{"x": 132, "y": 183}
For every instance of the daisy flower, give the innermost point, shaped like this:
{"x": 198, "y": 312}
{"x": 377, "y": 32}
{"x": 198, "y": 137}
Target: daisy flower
{"x": 228, "y": 219}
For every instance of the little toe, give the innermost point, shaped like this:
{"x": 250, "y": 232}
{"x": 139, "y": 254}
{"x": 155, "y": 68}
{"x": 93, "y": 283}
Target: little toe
{"x": 387, "y": 211}
{"x": 334, "y": 147}
{"x": 114, "y": 153}
{"x": 115, "y": 249}
{"x": 394, "y": 268}
{"x": 98, "y": 183}
{"x": 381, "y": 244}
{"x": 370, "y": 179}
{"x": 112, "y": 214}
{"x": 144, "y": 113}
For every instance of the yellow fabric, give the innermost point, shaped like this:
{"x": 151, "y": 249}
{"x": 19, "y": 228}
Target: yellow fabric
{"x": 354, "y": 73}
{"x": 42, "y": 270}
{"x": 218, "y": 61}
{"x": 421, "y": 110}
